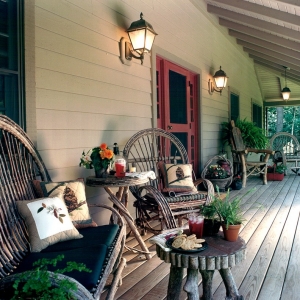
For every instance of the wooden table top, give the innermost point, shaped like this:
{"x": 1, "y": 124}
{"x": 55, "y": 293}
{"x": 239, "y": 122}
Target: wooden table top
{"x": 113, "y": 181}
{"x": 219, "y": 254}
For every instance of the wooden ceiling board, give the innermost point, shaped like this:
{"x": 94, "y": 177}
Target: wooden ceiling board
{"x": 269, "y": 31}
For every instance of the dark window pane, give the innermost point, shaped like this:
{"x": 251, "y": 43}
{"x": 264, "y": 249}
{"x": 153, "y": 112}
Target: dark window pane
{"x": 9, "y": 96}
{"x": 234, "y": 107}
{"x": 257, "y": 115}
{"x": 183, "y": 137}
{"x": 177, "y": 89}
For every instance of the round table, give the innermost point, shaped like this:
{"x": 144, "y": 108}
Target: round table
{"x": 220, "y": 255}
{"x": 120, "y": 201}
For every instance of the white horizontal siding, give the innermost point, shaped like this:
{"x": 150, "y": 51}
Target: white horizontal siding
{"x": 85, "y": 95}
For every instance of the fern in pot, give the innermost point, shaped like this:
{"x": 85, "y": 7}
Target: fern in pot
{"x": 230, "y": 215}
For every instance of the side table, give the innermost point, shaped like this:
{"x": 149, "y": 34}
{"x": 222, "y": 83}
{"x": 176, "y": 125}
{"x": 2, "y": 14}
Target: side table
{"x": 220, "y": 255}
{"x": 120, "y": 201}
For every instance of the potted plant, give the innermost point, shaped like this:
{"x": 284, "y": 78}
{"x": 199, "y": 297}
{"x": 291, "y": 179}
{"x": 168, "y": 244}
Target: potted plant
{"x": 99, "y": 158}
{"x": 219, "y": 171}
{"x": 39, "y": 283}
{"x": 253, "y": 136}
{"x": 276, "y": 172}
{"x": 211, "y": 219}
{"x": 230, "y": 215}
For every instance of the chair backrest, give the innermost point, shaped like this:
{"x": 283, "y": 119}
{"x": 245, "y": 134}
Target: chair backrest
{"x": 284, "y": 142}
{"x": 236, "y": 138}
{"x": 149, "y": 146}
{"x": 20, "y": 163}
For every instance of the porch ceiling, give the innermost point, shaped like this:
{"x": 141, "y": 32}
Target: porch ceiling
{"x": 269, "y": 31}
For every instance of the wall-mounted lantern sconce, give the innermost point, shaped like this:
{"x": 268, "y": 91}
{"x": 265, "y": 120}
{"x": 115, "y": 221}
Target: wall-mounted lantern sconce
{"x": 141, "y": 35}
{"x": 285, "y": 91}
{"x": 220, "y": 80}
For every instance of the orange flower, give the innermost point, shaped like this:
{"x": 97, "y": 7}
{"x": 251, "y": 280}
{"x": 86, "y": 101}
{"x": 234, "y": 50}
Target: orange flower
{"x": 108, "y": 153}
{"x": 103, "y": 146}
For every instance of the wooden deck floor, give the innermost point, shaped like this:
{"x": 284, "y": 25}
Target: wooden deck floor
{"x": 272, "y": 233}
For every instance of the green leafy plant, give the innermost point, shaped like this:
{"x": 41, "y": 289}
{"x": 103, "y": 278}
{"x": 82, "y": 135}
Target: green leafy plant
{"x": 253, "y": 136}
{"x": 208, "y": 211}
{"x": 229, "y": 211}
{"x": 278, "y": 168}
{"x": 37, "y": 283}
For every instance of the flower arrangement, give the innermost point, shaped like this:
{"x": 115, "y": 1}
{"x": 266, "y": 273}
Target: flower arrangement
{"x": 97, "y": 158}
{"x": 216, "y": 172}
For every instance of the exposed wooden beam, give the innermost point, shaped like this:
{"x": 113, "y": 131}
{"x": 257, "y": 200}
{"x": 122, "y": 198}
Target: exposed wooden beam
{"x": 279, "y": 59}
{"x": 266, "y": 44}
{"x": 277, "y": 69}
{"x": 280, "y": 102}
{"x": 267, "y": 51}
{"x": 290, "y": 2}
{"x": 262, "y": 10}
{"x": 254, "y": 22}
{"x": 234, "y": 27}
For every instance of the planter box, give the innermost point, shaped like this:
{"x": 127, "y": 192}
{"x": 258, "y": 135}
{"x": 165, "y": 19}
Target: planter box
{"x": 275, "y": 176}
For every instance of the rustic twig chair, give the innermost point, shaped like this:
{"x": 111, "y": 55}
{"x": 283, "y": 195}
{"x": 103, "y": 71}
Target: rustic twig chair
{"x": 20, "y": 163}
{"x": 240, "y": 157}
{"x": 146, "y": 149}
{"x": 288, "y": 146}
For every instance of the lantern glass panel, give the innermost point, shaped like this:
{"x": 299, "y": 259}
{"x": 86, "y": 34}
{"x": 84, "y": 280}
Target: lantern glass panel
{"x": 220, "y": 82}
{"x": 137, "y": 39}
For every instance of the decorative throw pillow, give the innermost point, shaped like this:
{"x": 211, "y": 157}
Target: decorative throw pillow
{"x": 74, "y": 195}
{"x": 177, "y": 178}
{"x": 47, "y": 221}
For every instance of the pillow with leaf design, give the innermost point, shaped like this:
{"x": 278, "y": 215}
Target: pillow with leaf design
{"x": 74, "y": 195}
{"x": 177, "y": 178}
{"x": 47, "y": 221}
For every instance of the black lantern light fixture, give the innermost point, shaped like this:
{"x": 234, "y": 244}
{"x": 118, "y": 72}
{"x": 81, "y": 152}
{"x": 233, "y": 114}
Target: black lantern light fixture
{"x": 141, "y": 35}
{"x": 220, "y": 81}
{"x": 285, "y": 91}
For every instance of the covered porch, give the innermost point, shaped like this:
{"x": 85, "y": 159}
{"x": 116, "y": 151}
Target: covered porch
{"x": 271, "y": 233}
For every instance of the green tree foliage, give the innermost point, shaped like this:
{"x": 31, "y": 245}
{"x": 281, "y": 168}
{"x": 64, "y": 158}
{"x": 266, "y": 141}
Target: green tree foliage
{"x": 291, "y": 120}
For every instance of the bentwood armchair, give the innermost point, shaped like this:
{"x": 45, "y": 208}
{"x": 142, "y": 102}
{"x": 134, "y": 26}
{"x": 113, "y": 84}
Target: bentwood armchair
{"x": 241, "y": 159}
{"x": 160, "y": 151}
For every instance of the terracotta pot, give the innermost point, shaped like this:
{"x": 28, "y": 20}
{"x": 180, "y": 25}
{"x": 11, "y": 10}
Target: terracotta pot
{"x": 275, "y": 176}
{"x": 231, "y": 234}
{"x": 211, "y": 228}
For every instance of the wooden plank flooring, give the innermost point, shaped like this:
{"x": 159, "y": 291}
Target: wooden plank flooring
{"x": 272, "y": 233}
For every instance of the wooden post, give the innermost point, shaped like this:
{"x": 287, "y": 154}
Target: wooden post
{"x": 175, "y": 283}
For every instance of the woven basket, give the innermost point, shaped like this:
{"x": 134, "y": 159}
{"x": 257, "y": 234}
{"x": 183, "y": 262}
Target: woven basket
{"x": 223, "y": 184}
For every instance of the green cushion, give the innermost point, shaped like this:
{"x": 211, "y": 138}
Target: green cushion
{"x": 92, "y": 236}
{"x": 92, "y": 257}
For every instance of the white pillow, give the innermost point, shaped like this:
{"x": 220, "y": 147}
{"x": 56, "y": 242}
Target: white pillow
{"x": 48, "y": 222}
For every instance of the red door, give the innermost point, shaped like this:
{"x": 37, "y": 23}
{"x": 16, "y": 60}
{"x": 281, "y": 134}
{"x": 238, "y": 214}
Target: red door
{"x": 177, "y": 105}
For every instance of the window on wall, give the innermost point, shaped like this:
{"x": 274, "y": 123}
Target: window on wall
{"x": 257, "y": 115}
{"x": 234, "y": 107}
{"x": 11, "y": 60}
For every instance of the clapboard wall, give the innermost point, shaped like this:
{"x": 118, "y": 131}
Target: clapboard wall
{"x": 83, "y": 95}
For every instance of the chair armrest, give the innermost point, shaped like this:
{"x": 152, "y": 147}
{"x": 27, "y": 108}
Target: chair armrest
{"x": 266, "y": 151}
{"x": 210, "y": 188}
{"x": 162, "y": 202}
{"x": 6, "y": 285}
{"x": 117, "y": 219}
{"x": 239, "y": 151}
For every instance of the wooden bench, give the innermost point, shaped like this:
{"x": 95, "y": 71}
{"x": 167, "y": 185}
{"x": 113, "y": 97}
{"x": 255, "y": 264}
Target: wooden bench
{"x": 100, "y": 248}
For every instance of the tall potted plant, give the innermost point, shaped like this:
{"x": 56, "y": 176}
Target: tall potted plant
{"x": 253, "y": 136}
{"x": 230, "y": 214}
